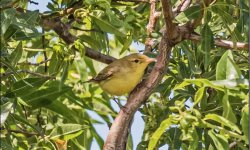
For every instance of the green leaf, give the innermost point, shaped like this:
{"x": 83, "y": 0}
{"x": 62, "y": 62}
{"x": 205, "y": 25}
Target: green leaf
{"x": 21, "y": 88}
{"x": 67, "y": 131}
{"x": 79, "y": 46}
{"x": 232, "y": 83}
{"x": 26, "y": 122}
{"x": 89, "y": 63}
{"x": 173, "y": 139}
{"x": 5, "y": 110}
{"x": 129, "y": 145}
{"x": 226, "y": 67}
{"x": 10, "y": 32}
{"x": 220, "y": 141}
{"x": 207, "y": 43}
{"x": 199, "y": 96}
{"x": 107, "y": 27}
{"x": 91, "y": 41}
{"x": 223, "y": 121}
{"x": 227, "y": 109}
{"x": 5, "y": 23}
{"x": 55, "y": 64}
{"x": 16, "y": 54}
{"x": 157, "y": 134}
{"x": 190, "y": 13}
{"x": 126, "y": 44}
{"x": 62, "y": 109}
{"x": 64, "y": 74}
{"x": 114, "y": 19}
{"x": 245, "y": 121}
{"x": 195, "y": 139}
{"x": 98, "y": 138}
{"x": 44, "y": 97}
{"x": 199, "y": 83}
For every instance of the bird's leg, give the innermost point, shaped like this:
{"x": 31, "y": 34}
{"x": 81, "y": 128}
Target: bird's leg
{"x": 118, "y": 103}
{"x": 123, "y": 108}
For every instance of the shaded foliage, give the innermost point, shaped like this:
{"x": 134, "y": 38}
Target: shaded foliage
{"x": 202, "y": 102}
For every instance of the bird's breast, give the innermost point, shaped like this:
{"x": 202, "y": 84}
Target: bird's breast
{"x": 121, "y": 84}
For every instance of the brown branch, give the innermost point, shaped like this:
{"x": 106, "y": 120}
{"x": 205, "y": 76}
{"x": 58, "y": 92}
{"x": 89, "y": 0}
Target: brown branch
{"x": 151, "y": 26}
{"x": 222, "y": 43}
{"x": 26, "y": 71}
{"x": 181, "y": 7}
{"x": 119, "y": 130}
{"x": 117, "y": 136}
{"x": 63, "y": 31}
{"x": 171, "y": 28}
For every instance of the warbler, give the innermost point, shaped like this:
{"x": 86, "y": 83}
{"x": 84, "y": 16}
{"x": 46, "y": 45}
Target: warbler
{"x": 122, "y": 75}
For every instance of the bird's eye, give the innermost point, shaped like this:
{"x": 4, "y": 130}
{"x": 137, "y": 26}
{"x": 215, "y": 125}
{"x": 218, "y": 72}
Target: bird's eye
{"x": 136, "y": 60}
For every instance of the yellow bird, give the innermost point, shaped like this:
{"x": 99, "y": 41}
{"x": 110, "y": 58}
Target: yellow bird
{"x": 122, "y": 75}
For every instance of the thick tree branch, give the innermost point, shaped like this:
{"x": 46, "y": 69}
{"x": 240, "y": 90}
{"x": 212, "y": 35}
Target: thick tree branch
{"x": 117, "y": 137}
{"x": 119, "y": 130}
{"x": 171, "y": 28}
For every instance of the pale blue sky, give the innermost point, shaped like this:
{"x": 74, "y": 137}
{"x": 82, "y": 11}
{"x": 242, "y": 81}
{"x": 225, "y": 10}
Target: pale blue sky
{"x": 138, "y": 124}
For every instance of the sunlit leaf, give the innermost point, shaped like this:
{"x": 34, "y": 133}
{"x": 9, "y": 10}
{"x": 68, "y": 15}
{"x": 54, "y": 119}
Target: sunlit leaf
{"x": 219, "y": 140}
{"x": 226, "y": 68}
{"x": 245, "y": 121}
{"x": 190, "y": 13}
{"x": 227, "y": 109}
{"x": 157, "y": 134}
{"x": 67, "y": 131}
{"x": 223, "y": 121}
{"x": 5, "y": 110}
{"x": 207, "y": 43}
{"x": 107, "y": 27}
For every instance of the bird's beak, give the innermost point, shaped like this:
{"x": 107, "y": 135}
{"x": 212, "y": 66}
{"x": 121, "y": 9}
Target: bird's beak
{"x": 149, "y": 60}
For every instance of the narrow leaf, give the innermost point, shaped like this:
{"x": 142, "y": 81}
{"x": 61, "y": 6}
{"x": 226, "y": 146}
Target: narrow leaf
{"x": 219, "y": 140}
{"x": 223, "y": 121}
{"x": 107, "y": 27}
{"x": 5, "y": 110}
{"x": 157, "y": 134}
{"x": 207, "y": 43}
{"x": 226, "y": 68}
{"x": 190, "y": 13}
{"x": 227, "y": 109}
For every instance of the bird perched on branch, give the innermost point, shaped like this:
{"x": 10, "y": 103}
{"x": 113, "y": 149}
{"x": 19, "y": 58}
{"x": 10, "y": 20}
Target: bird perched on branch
{"x": 122, "y": 75}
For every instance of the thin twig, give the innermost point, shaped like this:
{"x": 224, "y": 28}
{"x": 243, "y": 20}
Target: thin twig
{"x": 63, "y": 31}
{"x": 153, "y": 17}
{"x": 23, "y": 132}
{"x": 232, "y": 145}
{"x": 33, "y": 2}
{"x": 44, "y": 53}
{"x": 26, "y": 71}
{"x": 181, "y": 7}
{"x": 86, "y": 30}
{"x": 34, "y": 64}
{"x": 222, "y": 43}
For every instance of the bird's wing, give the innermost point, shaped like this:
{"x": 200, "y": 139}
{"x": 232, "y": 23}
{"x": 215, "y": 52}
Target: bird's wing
{"x": 104, "y": 74}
